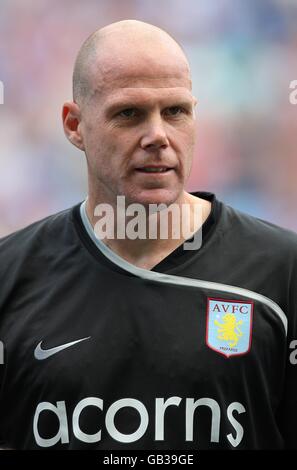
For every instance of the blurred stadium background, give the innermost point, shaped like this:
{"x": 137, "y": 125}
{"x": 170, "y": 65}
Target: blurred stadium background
{"x": 243, "y": 55}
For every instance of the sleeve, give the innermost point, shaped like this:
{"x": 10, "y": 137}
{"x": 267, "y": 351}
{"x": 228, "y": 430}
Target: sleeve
{"x": 2, "y": 368}
{"x": 287, "y": 413}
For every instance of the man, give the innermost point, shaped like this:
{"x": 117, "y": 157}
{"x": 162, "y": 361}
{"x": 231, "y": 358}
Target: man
{"x": 138, "y": 343}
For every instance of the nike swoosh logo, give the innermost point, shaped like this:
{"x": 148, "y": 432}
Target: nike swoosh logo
{"x": 41, "y": 354}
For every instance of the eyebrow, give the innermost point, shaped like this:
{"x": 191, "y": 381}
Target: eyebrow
{"x": 135, "y": 103}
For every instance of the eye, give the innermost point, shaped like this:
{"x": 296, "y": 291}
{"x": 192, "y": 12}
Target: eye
{"x": 127, "y": 113}
{"x": 175, "y": 111}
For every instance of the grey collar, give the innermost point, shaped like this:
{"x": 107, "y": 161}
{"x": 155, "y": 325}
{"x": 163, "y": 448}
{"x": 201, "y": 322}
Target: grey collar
{"x": 176, "y": 280}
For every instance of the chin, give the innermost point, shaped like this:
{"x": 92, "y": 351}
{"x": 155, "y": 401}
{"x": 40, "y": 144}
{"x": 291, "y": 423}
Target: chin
{"x": 154, "y": 196}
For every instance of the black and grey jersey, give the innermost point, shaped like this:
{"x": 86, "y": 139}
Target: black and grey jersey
{"x": 197, "y": 353}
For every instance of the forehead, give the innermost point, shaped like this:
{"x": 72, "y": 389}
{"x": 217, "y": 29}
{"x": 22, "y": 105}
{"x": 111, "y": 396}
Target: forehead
{"x": 146, "y": 96}
{"x": 125, "y": 73}
{"x": 144, "y": 90}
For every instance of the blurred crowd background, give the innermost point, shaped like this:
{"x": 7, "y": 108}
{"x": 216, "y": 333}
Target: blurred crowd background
{"x": 243, "y": 55}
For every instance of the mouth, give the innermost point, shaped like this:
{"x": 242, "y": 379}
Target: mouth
{"x": 154, "y": 169}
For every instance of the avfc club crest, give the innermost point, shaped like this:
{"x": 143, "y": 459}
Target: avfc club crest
{"x": 229, "y": 326}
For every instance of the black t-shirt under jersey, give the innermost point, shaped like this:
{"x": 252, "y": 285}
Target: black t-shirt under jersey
{"x": 193, "y": 354}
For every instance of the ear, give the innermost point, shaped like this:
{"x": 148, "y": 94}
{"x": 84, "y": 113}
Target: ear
{"x": 71, "y": 116}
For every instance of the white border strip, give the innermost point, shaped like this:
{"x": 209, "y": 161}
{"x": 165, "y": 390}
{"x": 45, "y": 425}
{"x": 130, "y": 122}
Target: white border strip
{"x": 176, "y": 280}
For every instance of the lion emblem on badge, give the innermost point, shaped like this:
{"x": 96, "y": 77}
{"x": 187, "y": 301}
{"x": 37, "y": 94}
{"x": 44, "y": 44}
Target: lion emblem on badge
{"x": 229, "y": 330}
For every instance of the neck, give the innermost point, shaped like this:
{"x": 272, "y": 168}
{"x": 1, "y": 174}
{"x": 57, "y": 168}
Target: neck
{"x": 145, "y": 237}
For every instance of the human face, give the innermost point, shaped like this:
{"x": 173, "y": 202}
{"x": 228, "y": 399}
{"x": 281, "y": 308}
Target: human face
{"x": 139, "y": 138}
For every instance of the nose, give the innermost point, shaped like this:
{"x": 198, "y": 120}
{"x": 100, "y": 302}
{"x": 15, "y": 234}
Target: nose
{"x": 154, "y": 137}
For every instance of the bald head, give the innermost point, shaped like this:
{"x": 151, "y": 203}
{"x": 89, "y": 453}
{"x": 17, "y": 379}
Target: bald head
{"x": 126, "y": 46}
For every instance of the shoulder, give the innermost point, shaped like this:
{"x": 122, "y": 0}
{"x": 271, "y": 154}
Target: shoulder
{"x": 257, "y": 234}
{"x": 30, "y": 239}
